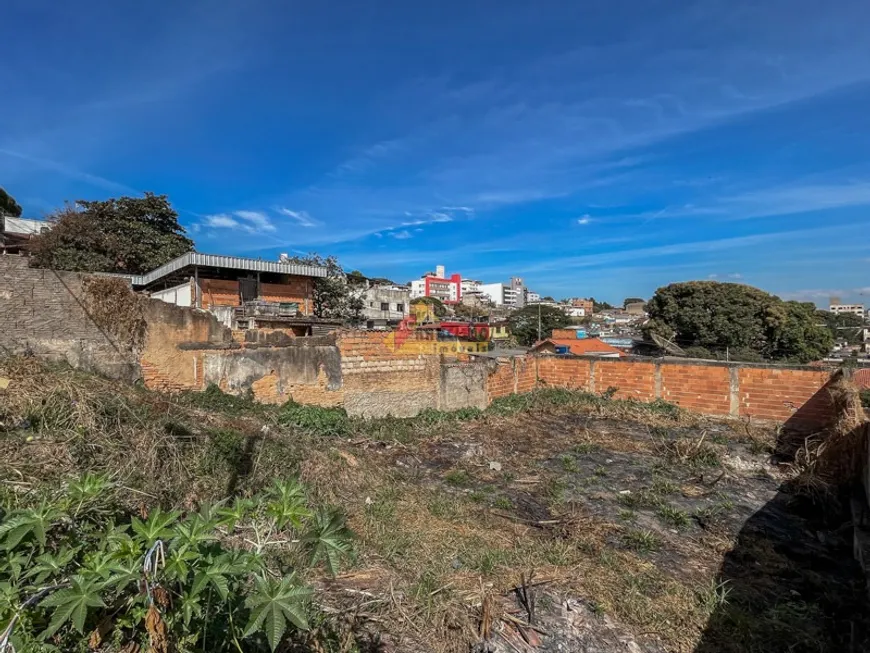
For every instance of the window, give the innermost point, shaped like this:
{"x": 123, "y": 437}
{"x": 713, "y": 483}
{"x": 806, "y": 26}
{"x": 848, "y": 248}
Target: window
{"x": 400, "y": 308}
{"x": 385, "y": 306}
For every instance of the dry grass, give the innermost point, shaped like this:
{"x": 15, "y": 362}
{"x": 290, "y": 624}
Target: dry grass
{"x": 836, "y": 456}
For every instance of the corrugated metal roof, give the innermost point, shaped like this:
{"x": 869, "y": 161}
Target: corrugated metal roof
{"x": 227, "y": 262}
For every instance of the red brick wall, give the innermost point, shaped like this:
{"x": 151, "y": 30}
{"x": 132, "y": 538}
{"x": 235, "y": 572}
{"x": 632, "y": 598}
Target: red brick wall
{"x": 219, "y": 292}
{"x": 526, "y": 374}
{"x": 564, "y": 334}
{"x": 780, "y": 394}
{"x": 793, "y": 394}
{"x": 297, "y": 289}
{"x": 564, "y": 372}
{"x": 699, "y": 388}
{"x": 632, "y": 379}
{"x": 501, "y": 381}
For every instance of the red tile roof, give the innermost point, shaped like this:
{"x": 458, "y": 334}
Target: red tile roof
{"x": 861, "y": 378}
{"x": 582, "y": 347}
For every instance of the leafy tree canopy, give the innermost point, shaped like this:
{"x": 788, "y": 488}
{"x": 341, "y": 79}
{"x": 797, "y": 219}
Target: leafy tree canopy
{"x": 437, "y": 305}
{"x": 129, "y": 234}
{"x": 524, "y": 323}
{"x": 337, "y": 295}
{"x": 844, "y": 326}
{"x": 599, "y": 306}
{"x": 8, "y": 205}
{"x": 633, "y": 300}
{"x": 548, "y": 299}
{"x": 725, "y": 316}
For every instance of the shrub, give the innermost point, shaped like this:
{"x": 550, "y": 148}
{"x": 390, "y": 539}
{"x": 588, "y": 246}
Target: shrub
{"x": 315, "y": 419}
{"x": 75, "y": 567}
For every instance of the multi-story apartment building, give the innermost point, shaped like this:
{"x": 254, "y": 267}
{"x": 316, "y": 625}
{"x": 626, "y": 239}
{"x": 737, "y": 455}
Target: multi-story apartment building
{"x": 499, "y": 294}
{"x": 586, "y": 304}
{"x": 438, "y": 285}
{"x": 854, "y": 309}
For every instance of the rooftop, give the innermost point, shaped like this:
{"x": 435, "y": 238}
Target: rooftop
{"x": 195, "y": 259}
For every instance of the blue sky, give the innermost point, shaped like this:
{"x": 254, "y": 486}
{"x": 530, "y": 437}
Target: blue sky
{"x": 593, "y": 148}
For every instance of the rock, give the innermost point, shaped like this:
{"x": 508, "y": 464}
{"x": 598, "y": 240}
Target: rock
{"x": 495, "y": 466}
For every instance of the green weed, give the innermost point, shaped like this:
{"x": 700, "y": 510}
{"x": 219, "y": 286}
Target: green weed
{"x": 642, "y": 541}
{"x": 315, "y": 419}
{"x": 673, "y": 516}
{"x": 458, "y": 478}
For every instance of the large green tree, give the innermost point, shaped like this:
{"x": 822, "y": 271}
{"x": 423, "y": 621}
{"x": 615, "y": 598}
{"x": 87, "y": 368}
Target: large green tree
{"x": 128, "y": 234}
{"x": 8, "y": 205}
{"x": 338, "y": 296}
{"x": 844, "y": 326}
{"x": 438, "y": 307}
{"x": 524, "y": 322}
{"x": 720, "y": 317}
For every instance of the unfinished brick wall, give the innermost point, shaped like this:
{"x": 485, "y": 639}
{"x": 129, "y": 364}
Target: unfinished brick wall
{"x": 793, "y": 394}
{"x": 783, "y": 394}
{"x": 700, "y": 388}
{"x": 296, "y": 289}
{"x": 219, "y": 292}
{"x": 46, "y": 312}
{"x": 391, "y": 373}
{"x": 632, "y": 379}
{"x": 573, "y": 373}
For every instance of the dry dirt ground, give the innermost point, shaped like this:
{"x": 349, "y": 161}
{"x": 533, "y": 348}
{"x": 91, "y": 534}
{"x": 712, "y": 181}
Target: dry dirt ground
{"x": 567, "y": 531}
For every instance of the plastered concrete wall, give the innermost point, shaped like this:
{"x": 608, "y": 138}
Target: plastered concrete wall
{"x": 171, "y": 358}
{"x": 308, "y": 370}
{"x": 463, "y": 385}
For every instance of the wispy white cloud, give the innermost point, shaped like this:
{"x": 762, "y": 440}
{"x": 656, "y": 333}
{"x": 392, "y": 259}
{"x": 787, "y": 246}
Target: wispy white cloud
{"x": 434, "y": 217}
{"x": 257, "y": 220}
{"x": 584, "y": 219}
{"x": 404, "y": 234}
{"x": 221, "y": 221}
{"x": 796, "y": 198}
{"x": 252, "y": 222}
{"x": 302, "y": 218}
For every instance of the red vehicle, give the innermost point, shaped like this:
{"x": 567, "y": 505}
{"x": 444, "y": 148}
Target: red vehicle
{"x": 466, "y": 330}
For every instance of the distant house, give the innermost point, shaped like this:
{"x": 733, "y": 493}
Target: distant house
{"x": 16, "y": 232}
{"x": 243, "y": 292}
{"x": 584, "y": 347}
{"x": 385, "y": 306}
{"x": 499, "y": 331}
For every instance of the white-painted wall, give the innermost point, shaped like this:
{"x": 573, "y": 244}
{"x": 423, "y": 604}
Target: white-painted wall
{"x": 179, "y": 295}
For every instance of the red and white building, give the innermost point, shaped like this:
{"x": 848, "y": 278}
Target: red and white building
{"x": 439, "y": 286}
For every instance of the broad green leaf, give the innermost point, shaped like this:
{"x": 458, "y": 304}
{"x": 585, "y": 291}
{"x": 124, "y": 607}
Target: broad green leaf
{"x": 51, "y": 564}
{"x": 287, "y": 503}
{"x": 232, "y": 515}
{"x": 35, "y": 521}
{"x": 193, "y": 532}
{"x": 328, "y": 538}
{"x": 156, "y": 527}
{"x": 72, "y": 604}
{"x": 215, "y": 575}
{"x": 273, "y": 603}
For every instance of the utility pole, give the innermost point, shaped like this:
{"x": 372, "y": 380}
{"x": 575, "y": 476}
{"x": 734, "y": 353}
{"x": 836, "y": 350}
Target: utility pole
{"x": 539, "y": 323}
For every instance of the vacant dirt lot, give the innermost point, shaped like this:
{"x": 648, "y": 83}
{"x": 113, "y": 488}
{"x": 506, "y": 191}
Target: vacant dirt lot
{"x": 554, "y": 521}
{"x": 630, "y": 535}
